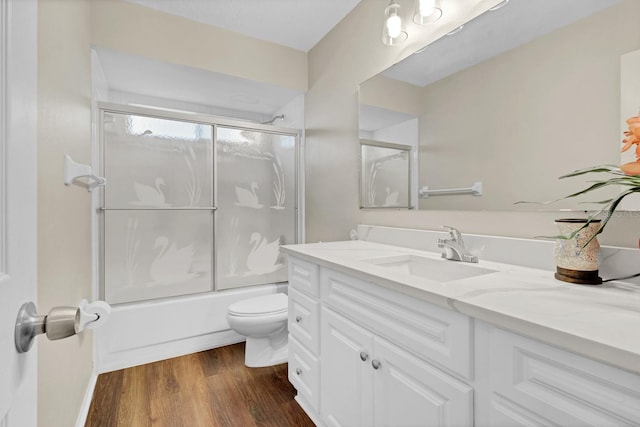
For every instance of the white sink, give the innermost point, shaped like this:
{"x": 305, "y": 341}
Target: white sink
{"x": 440, "y": 270}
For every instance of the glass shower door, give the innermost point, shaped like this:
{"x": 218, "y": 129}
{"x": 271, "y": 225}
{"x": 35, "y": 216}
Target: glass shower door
{"x": 158, "y": 207}
{"x": 256, "y": 199}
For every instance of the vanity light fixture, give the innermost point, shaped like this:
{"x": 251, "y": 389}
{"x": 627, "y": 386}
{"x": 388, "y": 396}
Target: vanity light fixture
{"x": 392, "y": 32}
{"x": 426, "y": 11}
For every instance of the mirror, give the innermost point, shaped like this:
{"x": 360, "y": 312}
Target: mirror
{"x": 519, "y": 97}
{"x": 385, "y": 171}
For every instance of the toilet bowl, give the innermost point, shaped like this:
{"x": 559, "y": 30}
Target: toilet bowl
{"x": 263, "y": 320}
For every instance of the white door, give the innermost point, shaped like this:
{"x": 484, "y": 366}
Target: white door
{"x": 18, "y": 108}
{"x": 346, "y": 376}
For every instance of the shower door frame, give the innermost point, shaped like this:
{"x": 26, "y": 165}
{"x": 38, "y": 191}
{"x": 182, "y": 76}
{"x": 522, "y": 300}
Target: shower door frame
{"x": 202, "y": 119}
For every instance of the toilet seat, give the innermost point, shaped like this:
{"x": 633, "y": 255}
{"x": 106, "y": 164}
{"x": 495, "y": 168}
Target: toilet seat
{"x": 260, "y": 306}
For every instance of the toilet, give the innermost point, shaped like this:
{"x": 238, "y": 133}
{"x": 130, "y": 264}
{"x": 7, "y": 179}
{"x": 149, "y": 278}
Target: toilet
{"x": 263, "y": 320}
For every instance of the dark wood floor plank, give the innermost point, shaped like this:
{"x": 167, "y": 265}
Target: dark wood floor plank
{"x": 134, "y": 409}
{"x": 210, "y": 388}
{"x": 106, "y": 395}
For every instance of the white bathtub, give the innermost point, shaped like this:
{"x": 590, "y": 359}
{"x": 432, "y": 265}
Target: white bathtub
{"x": 144, "y": 332}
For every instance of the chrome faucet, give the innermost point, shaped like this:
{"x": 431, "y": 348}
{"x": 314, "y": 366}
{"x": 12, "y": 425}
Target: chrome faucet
{"x": 453, "y": 247}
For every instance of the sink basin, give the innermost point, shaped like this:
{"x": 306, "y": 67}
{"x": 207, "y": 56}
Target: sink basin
{"x": 440, "y": 270}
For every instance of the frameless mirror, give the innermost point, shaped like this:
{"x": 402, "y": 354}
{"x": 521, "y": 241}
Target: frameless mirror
{"x": 384, "y": 175}
{"x": 521, "y": 96}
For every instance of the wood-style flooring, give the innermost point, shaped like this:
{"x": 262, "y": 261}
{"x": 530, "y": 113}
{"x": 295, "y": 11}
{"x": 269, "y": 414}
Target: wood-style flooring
{"x": 210, "y": 388}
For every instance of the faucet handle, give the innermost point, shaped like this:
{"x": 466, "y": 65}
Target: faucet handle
{"x": 469, "y": 258}
{"x": 454, "y": 233}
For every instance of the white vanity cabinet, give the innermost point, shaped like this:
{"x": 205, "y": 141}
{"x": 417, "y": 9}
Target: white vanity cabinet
{"x": 383, "y": 358}
{"x": 304, "y": 335}
{"x": 368, "y": 381}
{"x": 362, "y": 353}
{"x": 523, "y": 382}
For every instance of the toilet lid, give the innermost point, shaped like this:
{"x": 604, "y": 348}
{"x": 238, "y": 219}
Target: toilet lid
{"x": 267, "y": 304}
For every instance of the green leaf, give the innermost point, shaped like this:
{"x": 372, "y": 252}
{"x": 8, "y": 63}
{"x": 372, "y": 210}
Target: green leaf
{"x": 596, "y": 169}
{"x": 610, "y": 209}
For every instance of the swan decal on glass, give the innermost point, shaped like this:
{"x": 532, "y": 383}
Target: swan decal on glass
{"x": 248, "y": 198}
{"x": 171, "y": 265}
{"x": 278, "y": 184}
{"x": 263, "y": 256}
{"x": 150, "y": 196}
{"x": 391, "y": 199}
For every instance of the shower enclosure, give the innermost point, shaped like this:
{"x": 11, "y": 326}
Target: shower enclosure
{"x": 193, "y": 203}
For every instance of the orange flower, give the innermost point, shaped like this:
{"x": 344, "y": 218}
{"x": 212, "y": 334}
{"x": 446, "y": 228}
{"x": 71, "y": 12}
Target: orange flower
{"x": 632, "y": 137}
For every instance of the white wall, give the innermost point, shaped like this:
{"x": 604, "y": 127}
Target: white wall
{"x": 64, "y": 213}
{"x": 138, "y": 30}
{"x": 350, "y": 54}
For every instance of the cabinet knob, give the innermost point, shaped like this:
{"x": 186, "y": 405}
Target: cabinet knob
{"x": 298, "y": 371}
{"x": 298, "y": 319}
{"x": 363, "y": 356}
{"x": 375, "y": 364}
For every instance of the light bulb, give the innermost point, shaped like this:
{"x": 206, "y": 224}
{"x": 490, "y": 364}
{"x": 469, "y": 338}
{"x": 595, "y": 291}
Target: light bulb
{"x": 394, "y": 26}
{"x": 426, "y": 11}
{"x": 426, "y": 7}
{"x": 392, "y": 33}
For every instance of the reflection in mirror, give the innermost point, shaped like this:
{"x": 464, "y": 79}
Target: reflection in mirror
{"x": 516, "y": 99}
{"x": 385, "y": 171}
{"x": 388, "y": 113}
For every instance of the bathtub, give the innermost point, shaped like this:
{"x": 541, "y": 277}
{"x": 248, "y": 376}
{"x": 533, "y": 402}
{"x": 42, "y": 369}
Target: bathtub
{"x": 144, "y": 332}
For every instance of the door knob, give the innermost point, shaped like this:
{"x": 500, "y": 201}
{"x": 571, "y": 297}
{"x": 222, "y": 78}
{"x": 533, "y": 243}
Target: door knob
{"x": 375, "y": 363}
{"x": 364, "y": 356}
{"x": 60, "y": 322}
{"x": 28, "y": 325}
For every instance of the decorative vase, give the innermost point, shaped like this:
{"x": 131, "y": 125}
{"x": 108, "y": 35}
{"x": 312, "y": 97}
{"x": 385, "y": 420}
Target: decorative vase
{"x": 575, "y": 262}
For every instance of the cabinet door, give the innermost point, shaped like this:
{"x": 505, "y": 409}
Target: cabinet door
{"x": 568, "y": 389}
{"x": 410, "y": 392}
{"x": 346, "y": 391}
{"x": 525, "y": 382}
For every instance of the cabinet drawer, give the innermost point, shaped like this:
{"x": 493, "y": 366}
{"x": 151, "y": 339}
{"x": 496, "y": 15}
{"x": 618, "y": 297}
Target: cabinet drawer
{"x": 535, "y": 383}
{"x": 435, "y": 334}
{"x": 304, "y": 373}
{"x": 303, "y": 276}
{"x": 304, "y": 320}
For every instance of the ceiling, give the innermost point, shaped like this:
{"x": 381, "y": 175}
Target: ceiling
{"x": 298, "y": 24}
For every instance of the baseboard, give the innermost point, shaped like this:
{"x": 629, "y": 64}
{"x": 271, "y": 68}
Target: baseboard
{"x": 163, "y": 351}
{"x": 86, "y": 402}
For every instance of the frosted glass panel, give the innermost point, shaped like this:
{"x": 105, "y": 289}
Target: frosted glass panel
{"x": 154, "y": 254}
{"x": 151, "y": 162}
{"x": 385, "y": 177}
{"x": 256, "y": 206}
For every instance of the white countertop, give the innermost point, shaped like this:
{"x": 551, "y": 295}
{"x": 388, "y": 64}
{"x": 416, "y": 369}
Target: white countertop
{"x": 601, "y": 322}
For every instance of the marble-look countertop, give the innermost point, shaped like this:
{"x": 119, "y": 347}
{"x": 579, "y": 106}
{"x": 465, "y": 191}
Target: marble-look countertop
{"x": 600, "y": 322}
